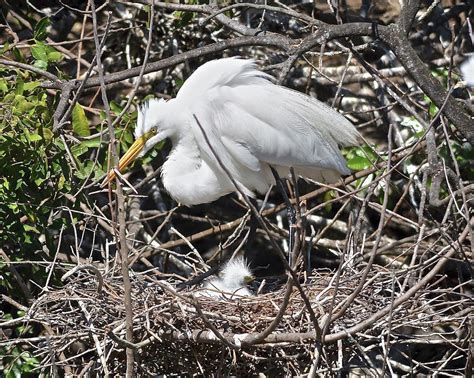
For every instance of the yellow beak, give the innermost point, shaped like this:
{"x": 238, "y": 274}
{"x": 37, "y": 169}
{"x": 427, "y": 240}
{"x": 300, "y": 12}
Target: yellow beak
{"x": 249, "y": 279}
{"x": 129, "y": 157}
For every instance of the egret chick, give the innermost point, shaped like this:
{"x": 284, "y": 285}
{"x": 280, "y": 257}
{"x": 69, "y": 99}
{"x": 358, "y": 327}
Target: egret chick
{"x": 253, "y": 125}
{"x": 231, "y": 282}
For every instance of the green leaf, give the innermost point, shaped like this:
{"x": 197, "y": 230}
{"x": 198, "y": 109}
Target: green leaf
{"x": 183, "y": 18}
{"x": 41, "y": 64}
{"x": 96, "y": 142}
{"x": 80, "y": 123}
{"x": 116, "y": 108}
{"x": 98, "y": 173}
{"x": 3, "y": 85}
{"x": 5, "y": 48}
{"x": 14, "y": 207}
{"x": 39, "y": 51}
{"x": 34, "y": 137}
{"x": 47, "y": 134}
{"x": 127, "y": 136}
{"x": 31, "y": 85}
{"x": 39, "y": 181}
{"x": 433, "y": 109}
{"x": 79, "y": 149}
{"x": 55, "y": 56}
{"x": 9, "y": 97}
{"x": 61, "y": 182}
{"x": 40, "y": 29}
{"x": 368, "y": 152}
{"x": 24, "y": 106}
{"x": 178, "y": 83}
{"x": 85, "y": 170}
{"x": 328, "y": 196}
{"x": 45, "y": 53}
{"x": 18, "y": 55}
{"x": 27, "y": 227}
{"x": 20, "y": 87}
{"x": 358, "y": 163}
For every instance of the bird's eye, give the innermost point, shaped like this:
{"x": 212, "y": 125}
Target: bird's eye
{"x": 153, "y": 131}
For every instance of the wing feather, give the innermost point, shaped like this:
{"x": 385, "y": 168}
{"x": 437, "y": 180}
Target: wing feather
{"x": 252, "y": 123}
{"x": 227, "y": 72}
{"x": 280, "y": 126}
{"x": 242, "y": 153}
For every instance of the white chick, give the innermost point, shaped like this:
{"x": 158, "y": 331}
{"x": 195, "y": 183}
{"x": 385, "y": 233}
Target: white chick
{"x": 467, "y": 70}
{"x": 231, "y": 282}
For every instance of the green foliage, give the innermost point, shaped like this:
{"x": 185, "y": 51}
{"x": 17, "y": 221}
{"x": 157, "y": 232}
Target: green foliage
{"x": 415, "y": 128}
{"x": 45, "y": 54}
{"x": 40, "y": 32}
{"x": 39, "y": 172}
{"x": 37, "y": 169}
{"x": 124, "y": 133}
{"x": 80, "y": 123}
{"x": 183, "y": 18}
{"x": 442, "y": 74}
{"x": 17, "y": 362}
{"x": 34, "y": 169}
{"x": 359, "y": 158}
{"x": 463, "y": 153}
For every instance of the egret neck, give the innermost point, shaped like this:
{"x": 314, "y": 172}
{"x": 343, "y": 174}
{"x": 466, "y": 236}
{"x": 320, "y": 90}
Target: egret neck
{"x": 185, "y": 168}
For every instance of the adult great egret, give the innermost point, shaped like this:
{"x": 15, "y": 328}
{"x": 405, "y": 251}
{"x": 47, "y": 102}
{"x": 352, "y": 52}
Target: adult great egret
{"x": 253, "y": 126}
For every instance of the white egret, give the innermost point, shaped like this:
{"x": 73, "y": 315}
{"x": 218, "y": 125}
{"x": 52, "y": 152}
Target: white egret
{"x": 467, "y": 71}
{"x": 231, "y": 282}
{"x": 252, "y": 124}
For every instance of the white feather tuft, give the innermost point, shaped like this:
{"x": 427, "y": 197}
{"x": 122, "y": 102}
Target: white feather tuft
{"x": 235, "y": 272}
{"x": 147, "y": 114}
{"x": 231, "y": 281}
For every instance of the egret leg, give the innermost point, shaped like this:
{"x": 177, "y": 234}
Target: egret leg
{"x": 253, "y": 223}
{"x": 290, "y": 211}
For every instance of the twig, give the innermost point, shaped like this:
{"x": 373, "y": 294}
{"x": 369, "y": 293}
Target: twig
{"x": 120, "y": 204}
{"x": 100, "y": 352}
{"x": 91, "y": 268}
{"x": 28, "y": 67}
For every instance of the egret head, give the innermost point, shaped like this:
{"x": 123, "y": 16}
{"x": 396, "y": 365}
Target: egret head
{"x": 151, "y": 125}
{"x": 151, "y": 128}
{"x": 236, "y": 273}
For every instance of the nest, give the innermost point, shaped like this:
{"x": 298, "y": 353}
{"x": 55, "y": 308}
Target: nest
{"x": 179, "y": 333}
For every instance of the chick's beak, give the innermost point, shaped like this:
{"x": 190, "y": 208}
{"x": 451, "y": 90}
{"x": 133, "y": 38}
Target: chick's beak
{"x": 128, "y": 158}
{"x": 249, "y": 279}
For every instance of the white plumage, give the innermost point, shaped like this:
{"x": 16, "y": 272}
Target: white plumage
{"x": 467, "y": 70}
{"x": 251, "y": 123}
{"x": 231, "y": 282}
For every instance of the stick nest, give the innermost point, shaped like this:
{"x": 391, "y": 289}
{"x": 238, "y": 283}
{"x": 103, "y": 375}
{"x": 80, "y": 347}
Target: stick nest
{"x": 172, "y": 330}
